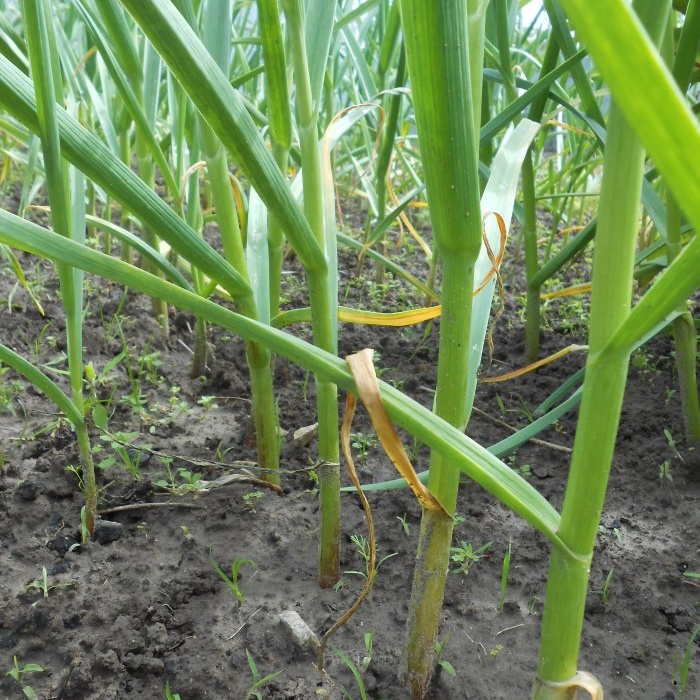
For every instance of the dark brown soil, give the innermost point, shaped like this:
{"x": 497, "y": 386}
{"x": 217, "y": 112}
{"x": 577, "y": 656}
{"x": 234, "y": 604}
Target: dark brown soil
{"x": 122, "y": 618}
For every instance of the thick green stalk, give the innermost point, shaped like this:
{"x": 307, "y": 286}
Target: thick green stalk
{"x": 280, "y": 121}
{"x": 217, "y": 39}
{"x": 440, "y": 40}
{"x": 606, "y": 375}
{"x": 532, "y": 299}
{"x": 322, "y": 306}
{"x": 386, "y": 147}
{"x": 532, "y": 304}
{"x": 195, "y": 221}
{"x": 435, "y": 537}
{"x": 258, "y": 357}
{"x": 67, "y": 220}
{"x": 684, "y": 334}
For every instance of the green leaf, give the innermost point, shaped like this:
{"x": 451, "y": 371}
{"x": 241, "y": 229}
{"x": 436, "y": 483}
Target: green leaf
{"x": 223, "y": 108}
{"x": 99, "y": 416}
{"x": 94, "y": 159}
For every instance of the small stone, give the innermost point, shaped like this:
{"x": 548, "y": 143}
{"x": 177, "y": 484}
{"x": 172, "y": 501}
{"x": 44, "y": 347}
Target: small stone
{"x": 108, "y": 661}
{"x": 28, "y": 490}
{"x": 142, "y": 663}
{"x": 62, "y": 544}
{"x": 107, "y": 531}
{"x": 302, "y": 635}
{"x": 303, "y": 436}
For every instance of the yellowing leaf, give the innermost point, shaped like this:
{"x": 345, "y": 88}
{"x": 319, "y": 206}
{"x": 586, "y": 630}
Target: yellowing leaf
{"x": 363, "y": 372}
{"x": 535, "y": 365}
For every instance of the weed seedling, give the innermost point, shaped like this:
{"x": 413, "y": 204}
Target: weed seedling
{"x": 177, "y": 404}
{"x": 604, "y": 592}
{"x": 170, "y": 695}
{"x": 232, "y": 581}
{"x": 251, "y": 498}
{"x": 442, "y": 664}
{"x": 189, "y": 537}
{"x": 404, "y": 523}
{"x": 357, "y": 674}
{"x": 207, "y": 402}
{"x": 672, "y": 444}
{"x": 184, "y": 481}
{"x": 119, "y": 443}
{"x": 504, "y": 577}
{"x": 465, "y": 556}
{"x": 532, "y": 604}
{"x": 683, "y": 668}
{"x": 42, "y": 584}
{"x": 367, "y": 658}
{"x": 9, "y": 392}
{"x": 362, "y": 545}
{"x": 363, "y": 442}
{"x": 693, "y": 575}
{"x": 665, "y": 471}
{"x": 258, "y": 682}
{"x": 18, "y": 674}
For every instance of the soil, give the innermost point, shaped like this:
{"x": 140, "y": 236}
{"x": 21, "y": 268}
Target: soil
{"x": 122, "y": 618}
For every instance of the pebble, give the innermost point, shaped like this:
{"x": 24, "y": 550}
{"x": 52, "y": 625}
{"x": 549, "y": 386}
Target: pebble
{"x": 107, "y": 531}
{"x": 303, "y": 436}
{"x": 28, "y": 490}
{"x": 302, "y": 635}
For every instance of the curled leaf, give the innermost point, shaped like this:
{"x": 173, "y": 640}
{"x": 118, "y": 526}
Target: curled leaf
{"x": 363, "y": 372}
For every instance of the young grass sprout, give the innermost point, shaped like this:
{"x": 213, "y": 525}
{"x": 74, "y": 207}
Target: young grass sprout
{"x": 505, "y": 570}
{"x": 232, "y": 580}
{"x": 259, "y": 682}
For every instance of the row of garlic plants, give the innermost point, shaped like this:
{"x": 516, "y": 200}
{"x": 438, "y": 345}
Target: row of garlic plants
{"x": 175, "y": 89}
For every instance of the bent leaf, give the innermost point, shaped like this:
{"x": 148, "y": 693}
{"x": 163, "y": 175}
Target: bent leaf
{"x": 363, "y": 372}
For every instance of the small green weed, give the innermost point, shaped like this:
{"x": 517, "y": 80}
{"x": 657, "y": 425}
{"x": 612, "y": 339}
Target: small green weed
{"x": 362, "y": 545}
{"x": 180, "y": 482}
{"x": 442, "y": 664}
{"x": 672, "y": 444}
{"x": 9, "y": 391}
{"x": 258, "y": 682}
{"x": 170, "y": 695}
{"x": 665, "y": 471}
{"x": 505, "y": 570}
{"x": 363, "y": 443}
{"x": 404, "y": 523}
{"x": 465, "y": 556}
{"x": 42, "y": 584}
{"x": 207, "y": 402}
{"x": 232, "y": 581}
{"x": 683, "y": 669}
{"x": 18, "y": 674}
{"x": 251, "y": 499}
{"x": 120, "y": 444}
{"x": 357, "y": 674}
{"x": 604, "y": 592}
